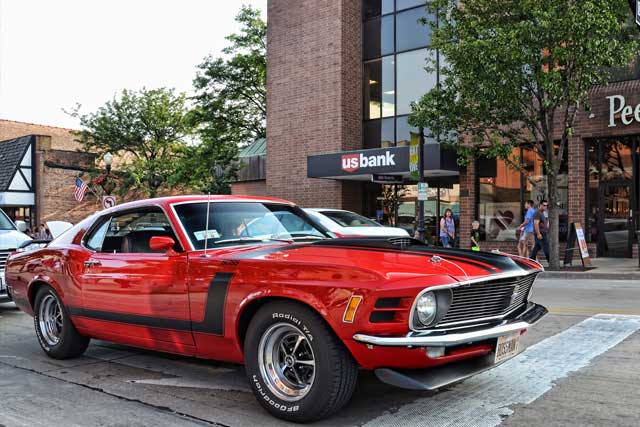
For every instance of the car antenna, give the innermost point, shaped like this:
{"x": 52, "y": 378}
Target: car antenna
{"x": 206, "y": 227}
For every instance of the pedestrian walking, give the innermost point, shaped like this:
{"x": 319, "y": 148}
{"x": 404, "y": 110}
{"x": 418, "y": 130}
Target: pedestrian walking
{"x": 525, "y": 244}
{"x": 475, "y": 236}
{"x": 447, "y": 229}
{"x": 541, "y": 229}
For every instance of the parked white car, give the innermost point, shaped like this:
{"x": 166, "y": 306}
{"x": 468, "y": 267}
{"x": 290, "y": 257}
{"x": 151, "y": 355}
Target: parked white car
{"x": 11, "y": 237}
{"x": 350, "y": 224}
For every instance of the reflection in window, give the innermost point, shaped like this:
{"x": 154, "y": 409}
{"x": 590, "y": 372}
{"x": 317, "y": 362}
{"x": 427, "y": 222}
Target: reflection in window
{"x": 388, "y": 93}
{"x": 373, "y": 8}
{"x": 410, "y": 32}
{"x": 413, "y": 81}
{"x": 372, "y": 134}
{"x": 536, "y": 189}
{"x": 373, "y": 89}
{"x": 378, "y": 37}
{"x": 406, "y": 4}
{"x": 500, "y": 208}
{"x": 387, "y": 133}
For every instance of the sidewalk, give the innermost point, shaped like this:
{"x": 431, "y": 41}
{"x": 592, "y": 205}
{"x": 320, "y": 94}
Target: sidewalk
{"x": 605, "y": 268}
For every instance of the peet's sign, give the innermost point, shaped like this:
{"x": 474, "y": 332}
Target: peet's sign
{"x": 618, "y": 108}
{"x": 353, "y": 162}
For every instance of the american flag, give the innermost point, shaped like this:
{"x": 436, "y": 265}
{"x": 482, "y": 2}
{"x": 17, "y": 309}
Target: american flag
{"x": 81, "y": 189}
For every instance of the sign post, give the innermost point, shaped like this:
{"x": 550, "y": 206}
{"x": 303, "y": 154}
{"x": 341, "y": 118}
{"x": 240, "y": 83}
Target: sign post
{"x": 414, "y": 158}
{"x": 108, "y": 202}
{"x": 421, "y": 184}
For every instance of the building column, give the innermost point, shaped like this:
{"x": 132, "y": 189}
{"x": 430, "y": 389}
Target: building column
{"x": 314, "y": 96}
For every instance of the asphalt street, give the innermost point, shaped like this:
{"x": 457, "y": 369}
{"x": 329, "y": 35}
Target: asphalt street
{"x": 581, "y": 368}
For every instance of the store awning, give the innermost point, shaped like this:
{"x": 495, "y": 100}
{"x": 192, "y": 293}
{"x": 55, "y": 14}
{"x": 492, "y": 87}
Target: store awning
{"x": 16, "y": 171}
{"x": 361, "y": 165}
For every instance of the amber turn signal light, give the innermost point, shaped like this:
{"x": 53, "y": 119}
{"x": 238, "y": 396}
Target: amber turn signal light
{"x": 350, "y": 312}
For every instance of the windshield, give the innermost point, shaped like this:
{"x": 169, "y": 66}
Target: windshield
{"x": 5, "y": 223}
{"x": 233, "y": 223}
{"x": 349, "y": 219}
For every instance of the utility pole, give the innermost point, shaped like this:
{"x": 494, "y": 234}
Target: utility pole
{"x": 421, "y": 181}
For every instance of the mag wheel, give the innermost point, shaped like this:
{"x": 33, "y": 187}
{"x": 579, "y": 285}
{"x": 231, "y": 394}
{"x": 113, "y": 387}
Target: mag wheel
{"x": 56, "y": 334}
{"x": 297, "y": 368}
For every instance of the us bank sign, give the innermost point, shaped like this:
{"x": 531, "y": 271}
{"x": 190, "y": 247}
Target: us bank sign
{"x": 619, "y": 108}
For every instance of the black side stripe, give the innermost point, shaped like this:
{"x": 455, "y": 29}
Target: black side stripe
{"x": 213, "y": 322}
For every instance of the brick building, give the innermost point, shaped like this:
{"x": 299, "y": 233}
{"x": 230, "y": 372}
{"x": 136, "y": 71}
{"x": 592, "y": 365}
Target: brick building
{"x": 38, "y": 166}
{"x": 341, "y": 77}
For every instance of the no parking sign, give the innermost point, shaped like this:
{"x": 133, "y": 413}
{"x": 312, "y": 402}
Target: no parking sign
{"x": 108, "y": 202}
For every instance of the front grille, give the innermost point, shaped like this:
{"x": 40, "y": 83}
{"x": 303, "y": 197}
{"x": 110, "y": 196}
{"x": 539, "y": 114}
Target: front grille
{"x": 4, "y": 254}
{"x": 493, "y": 298}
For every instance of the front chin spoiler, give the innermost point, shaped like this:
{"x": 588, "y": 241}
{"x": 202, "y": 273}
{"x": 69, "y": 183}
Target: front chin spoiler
{"x": 435, "y": 378}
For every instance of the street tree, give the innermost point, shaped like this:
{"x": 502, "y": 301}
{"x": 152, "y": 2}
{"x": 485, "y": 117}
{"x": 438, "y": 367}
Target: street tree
{"x": 518, "y": 72}
{"x": 230, "y": 102}
{"x": 147, "y": 129}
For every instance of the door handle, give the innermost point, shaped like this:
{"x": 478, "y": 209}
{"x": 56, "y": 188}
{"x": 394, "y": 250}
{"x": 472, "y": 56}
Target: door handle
{"x": 91, "y": 263}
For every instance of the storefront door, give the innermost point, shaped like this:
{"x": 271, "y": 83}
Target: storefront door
{"x": 616, "y": 222}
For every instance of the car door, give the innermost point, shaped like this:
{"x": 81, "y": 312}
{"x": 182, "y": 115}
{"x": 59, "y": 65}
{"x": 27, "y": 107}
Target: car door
{"x": 130, "y": 293}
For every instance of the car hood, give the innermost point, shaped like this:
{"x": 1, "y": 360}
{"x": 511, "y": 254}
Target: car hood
{"x": 11, "y": 239}
{"x": 382, "y": 259}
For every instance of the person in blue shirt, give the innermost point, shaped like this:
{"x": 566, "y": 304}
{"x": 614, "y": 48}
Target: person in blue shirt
{"x": 527, "y": 231}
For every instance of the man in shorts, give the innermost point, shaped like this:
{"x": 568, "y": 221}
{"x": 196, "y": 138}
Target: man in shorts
{"x": 527, "y": 231}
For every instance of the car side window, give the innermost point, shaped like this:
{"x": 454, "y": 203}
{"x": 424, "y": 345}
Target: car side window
{"x": 96, "y": 237}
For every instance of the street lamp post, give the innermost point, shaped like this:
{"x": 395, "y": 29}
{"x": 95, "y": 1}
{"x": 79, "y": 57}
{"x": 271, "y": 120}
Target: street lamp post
{"x": 108, "y": 184}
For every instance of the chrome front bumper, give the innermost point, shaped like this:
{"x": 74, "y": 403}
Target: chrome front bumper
{"x": 530, "y": 316}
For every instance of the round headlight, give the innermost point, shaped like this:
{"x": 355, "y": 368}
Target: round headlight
{"x": 426, "y": 308}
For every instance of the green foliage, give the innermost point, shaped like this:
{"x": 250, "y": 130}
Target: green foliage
{"x": 147, "y": 129}
{"x": 519, "y": 71}
{"x": 230, "y": 104}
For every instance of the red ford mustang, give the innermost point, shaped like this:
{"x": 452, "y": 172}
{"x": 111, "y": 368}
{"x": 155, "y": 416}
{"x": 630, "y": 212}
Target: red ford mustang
{"x": 256, "y": 281}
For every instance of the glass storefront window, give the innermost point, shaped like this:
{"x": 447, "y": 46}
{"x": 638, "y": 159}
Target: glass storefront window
{"x": 413, "y": 81}
{"x": 373, "y": 8}
{"x": 387, "y": 133}
{"x": 388, "y": 92}
{"x": 378, "y": 37}
{"x": 371, "y": 132}
{"x": 500, "y": 205}
{"x": 410, "y": 32}
{"x": 373, "y": 90}
{"x": 617, "y": 160}
{"x": 406, "y": 4}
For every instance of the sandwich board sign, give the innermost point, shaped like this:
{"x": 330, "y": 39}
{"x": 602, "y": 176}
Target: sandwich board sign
{"x": 576, "y": 237}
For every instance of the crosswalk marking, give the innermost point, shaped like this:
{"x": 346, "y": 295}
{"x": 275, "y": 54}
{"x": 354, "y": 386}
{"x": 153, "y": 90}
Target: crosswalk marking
{"x": 484, "y": 400}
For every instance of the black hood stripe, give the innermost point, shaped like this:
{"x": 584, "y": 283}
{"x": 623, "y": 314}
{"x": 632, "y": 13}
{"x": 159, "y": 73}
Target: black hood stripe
{"x": 491, "y": 263}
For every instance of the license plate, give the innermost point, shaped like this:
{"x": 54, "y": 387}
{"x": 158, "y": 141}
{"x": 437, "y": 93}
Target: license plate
{"x": 507, "y": 347}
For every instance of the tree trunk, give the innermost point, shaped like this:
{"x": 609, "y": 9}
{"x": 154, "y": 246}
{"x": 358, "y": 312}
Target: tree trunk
{"x": 554, "y": 223}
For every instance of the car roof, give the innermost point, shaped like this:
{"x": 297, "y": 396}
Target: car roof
{"x": 170, "y": 200}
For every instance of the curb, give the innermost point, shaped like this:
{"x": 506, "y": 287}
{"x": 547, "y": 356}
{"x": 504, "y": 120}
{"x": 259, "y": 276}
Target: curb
{"x": 574, "y": 275}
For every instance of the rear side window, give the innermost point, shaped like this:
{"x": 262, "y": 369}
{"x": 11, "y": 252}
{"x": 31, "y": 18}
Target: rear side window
{"x": 349, "y": 219}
